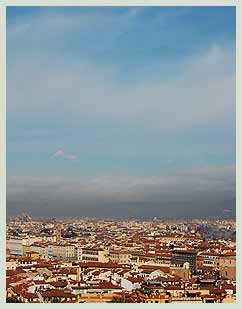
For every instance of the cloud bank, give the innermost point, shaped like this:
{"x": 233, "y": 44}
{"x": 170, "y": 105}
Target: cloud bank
{"x": 200, "y": 193}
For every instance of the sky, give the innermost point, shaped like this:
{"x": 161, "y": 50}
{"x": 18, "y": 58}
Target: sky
{"x": 121, "y": 111}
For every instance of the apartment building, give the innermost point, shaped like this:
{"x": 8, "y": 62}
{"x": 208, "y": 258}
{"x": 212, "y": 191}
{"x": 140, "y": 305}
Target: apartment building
{"x": 227, "y": 266}
{"x": 20, "y": 246}
{"x": 207, "y": 261}
{"x": 91, "y": 255}
{"x": 123, "y": 257}
{"x": 179, "y": 257}
{"x": 63, "y": 251}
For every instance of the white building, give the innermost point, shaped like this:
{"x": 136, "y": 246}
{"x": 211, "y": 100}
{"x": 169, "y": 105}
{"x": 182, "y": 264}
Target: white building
{"x": 91, "y": 255}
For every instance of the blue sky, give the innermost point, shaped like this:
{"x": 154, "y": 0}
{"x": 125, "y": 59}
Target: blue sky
{"x": 120, "y": 92}
{"x": 130, "y": 39}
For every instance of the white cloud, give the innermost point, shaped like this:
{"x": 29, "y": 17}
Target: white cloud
{"x": 203, "y": 93}
{"x": 60, "y": 153}
{"x": 71, "y": 157}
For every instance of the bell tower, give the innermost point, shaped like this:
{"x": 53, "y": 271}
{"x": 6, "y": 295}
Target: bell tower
{"x": 58, "y": 233}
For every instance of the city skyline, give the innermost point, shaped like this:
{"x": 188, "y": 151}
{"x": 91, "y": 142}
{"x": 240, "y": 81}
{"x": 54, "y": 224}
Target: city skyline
{"x": 121, "y": 111}
{"x": 103, "y": 261}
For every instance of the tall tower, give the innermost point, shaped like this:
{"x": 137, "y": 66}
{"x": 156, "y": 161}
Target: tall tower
{"x": 58, "y": 233}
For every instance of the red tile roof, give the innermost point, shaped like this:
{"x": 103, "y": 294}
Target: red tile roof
{"x": 58, "y": 293}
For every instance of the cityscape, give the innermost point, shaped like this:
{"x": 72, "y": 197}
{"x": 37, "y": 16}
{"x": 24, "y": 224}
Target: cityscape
{"x": 96, "y": 261}
{"x": 121, "y": 154}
